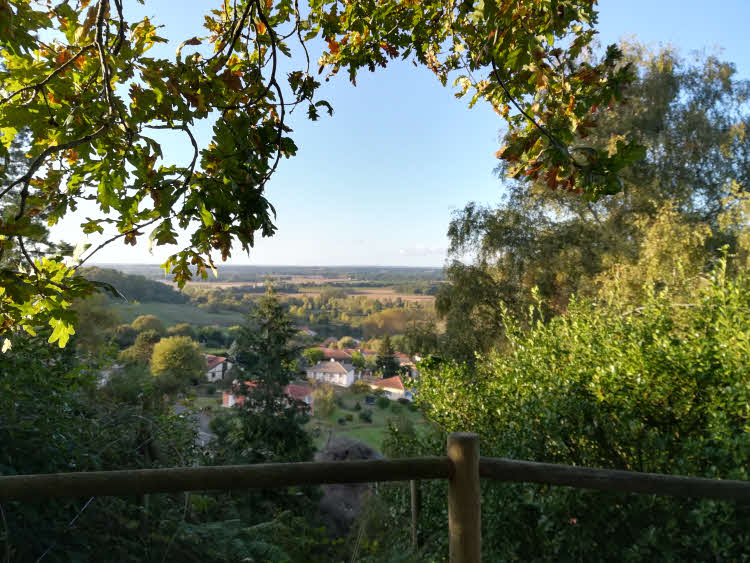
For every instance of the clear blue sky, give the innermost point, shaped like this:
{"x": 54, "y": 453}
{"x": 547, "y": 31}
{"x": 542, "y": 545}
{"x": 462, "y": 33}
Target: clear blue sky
{"x": 376, "y": 184}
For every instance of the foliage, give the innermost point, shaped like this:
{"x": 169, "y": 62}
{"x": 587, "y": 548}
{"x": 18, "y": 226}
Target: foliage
{"x": 142, "y": 349}
{"x": 346, "y": 342}
{"x": 96, "y": 322}
{"x": 659, "y": 388}
{"x": 135, "y": 287}
{"x": 692, "y": 117}
{"x": 54, "y": 419}
{"x": 124, "y": 336}
{"x": 313, "y": 355}
{"x": 358, "y": 360}
{"x": 268, "y": 425}
{"x": 383, "y": 402}
{"x": 324, "y": 399}
{"x": 359, "y": 387}
{"x": 177, "y": 362}
{"x": 148, "y": 322}
{"x": 365, "y": 415}
{"x": 213, "y": 336}
{"x": 95, "y": 101}
{"x": 183, "y": 329}
{"x": 386, "y": 363}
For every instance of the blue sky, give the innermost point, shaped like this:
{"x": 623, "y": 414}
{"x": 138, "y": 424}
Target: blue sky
{"x": 376, "y": 184}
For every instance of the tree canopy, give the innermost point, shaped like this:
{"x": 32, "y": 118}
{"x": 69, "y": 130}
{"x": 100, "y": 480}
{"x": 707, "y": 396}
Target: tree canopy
{"x": 692, "y": 116}
{"x": 79, "y": 78}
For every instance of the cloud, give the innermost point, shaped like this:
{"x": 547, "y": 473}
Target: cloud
{"x": 423, "y": 250}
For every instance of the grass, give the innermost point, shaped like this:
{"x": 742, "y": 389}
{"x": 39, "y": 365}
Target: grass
{"x": 371, "y": 433}
{"x": 203, "y": 402}
{"x": 174, "y": 313}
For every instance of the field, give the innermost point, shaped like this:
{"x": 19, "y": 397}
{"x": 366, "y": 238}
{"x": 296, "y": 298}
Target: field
{"x": 369, "y": 292}
{"x": 174, "y": 313}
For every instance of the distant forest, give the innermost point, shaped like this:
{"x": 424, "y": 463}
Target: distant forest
{"x": 229, "y": 273}
{"x": 136, "y": 287}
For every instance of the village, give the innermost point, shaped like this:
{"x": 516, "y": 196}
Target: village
{"x": 358, "y": 401}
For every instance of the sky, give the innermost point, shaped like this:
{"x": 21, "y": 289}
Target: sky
{"x": 377, "y": 183}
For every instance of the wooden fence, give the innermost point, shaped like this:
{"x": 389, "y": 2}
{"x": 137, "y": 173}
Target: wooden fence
{"x": 462, "y": 467}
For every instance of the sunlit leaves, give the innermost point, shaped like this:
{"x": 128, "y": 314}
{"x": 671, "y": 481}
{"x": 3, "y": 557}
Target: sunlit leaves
{"x": 92, "y": 96}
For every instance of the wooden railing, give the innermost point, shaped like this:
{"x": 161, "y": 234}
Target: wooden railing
{"x": 462, "y": 467}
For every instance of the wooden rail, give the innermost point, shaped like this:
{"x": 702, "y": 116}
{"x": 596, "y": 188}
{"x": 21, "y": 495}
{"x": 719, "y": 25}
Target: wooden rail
{"x": 260, "y": 476}
{"x": 462, "y": 467}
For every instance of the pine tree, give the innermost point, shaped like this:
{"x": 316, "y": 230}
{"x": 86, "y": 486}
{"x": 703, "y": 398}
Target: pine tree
{"x": 270, "y": 427}
{"x": 386, "y": 364}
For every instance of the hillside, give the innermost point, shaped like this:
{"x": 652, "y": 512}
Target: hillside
{"x": 136, "y": 287}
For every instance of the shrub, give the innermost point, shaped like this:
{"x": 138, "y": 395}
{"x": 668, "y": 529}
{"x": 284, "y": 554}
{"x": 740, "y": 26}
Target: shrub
{"x": 396, "y": 408}
{"x": 324, "y": 400}
{"x": 659, "y": 388}
{"x": 357, "y": 406}
{"x": 359, "y": 387}
{"x": 147, "y": 322}
{"x": 383, "y": 402}
{"x": 365, "y": 415}
{"x": 349, "y": 417}
{"x": 404, "y": 401}
{"x": 211, "y": 389}
{"x": 342, "y": 421}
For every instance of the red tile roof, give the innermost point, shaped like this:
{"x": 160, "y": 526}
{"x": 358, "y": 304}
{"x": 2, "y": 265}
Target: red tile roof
{"x": 330, "y": 353}
{"x": 298, "y": 392}
{"x": 390, "y": 383}
{"x": 213, "y": 361}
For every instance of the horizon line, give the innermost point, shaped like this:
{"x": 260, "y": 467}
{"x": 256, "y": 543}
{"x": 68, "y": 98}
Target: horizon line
{"x": 271, "y": 265}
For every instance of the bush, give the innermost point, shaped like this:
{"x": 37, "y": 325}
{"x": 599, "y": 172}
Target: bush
{"x": 357, "y": 406}
{"x": 147, "y": 322}
{"x": 396, "y": 408}
{"x": 341, "y": 421}
{"x": 211, "y": 389}
{"x": 349, "y": 417}
{"x": 383, "y": 402}
{"x": 404, "y": 401}
{"x": 359, "y": 387}
{"x": 662, "y": 388}
{"x": 365, "y": 415}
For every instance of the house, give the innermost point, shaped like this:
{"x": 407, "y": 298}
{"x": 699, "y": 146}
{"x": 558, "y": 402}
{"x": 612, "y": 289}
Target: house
{"x": 301, "y": 392}
{"x": 230, "y": 398}
{"x": 217, "y": 367}
{"x": 334, "y": 354}
{"x": 332, "y": 371}
{"x": 393, "y": 387}
{"x": 403, "y": 359}
{"x": 406, "y": 363}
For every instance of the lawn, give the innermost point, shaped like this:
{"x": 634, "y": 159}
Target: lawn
{"x": 203, "y": 402}
{"x": 174, "y": 313}
{"x": 371, "y": 433}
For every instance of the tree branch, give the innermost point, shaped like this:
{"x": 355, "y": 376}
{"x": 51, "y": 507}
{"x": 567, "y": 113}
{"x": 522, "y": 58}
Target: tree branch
{"x": 38, "y": 86}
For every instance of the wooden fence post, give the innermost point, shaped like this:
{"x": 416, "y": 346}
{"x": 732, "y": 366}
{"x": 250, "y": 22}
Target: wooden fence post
{"x": 464, "y": 511}
{"x": 416, "y": 501}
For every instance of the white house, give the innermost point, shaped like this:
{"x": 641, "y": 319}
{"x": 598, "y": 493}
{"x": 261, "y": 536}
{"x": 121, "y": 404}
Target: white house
{"x": 217, "y": 367}
{"x": 332, "y": 371}
{"x": 393, "y": 387}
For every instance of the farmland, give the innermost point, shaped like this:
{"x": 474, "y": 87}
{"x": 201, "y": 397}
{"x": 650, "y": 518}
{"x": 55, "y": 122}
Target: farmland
{"x": 176, "y": 313}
